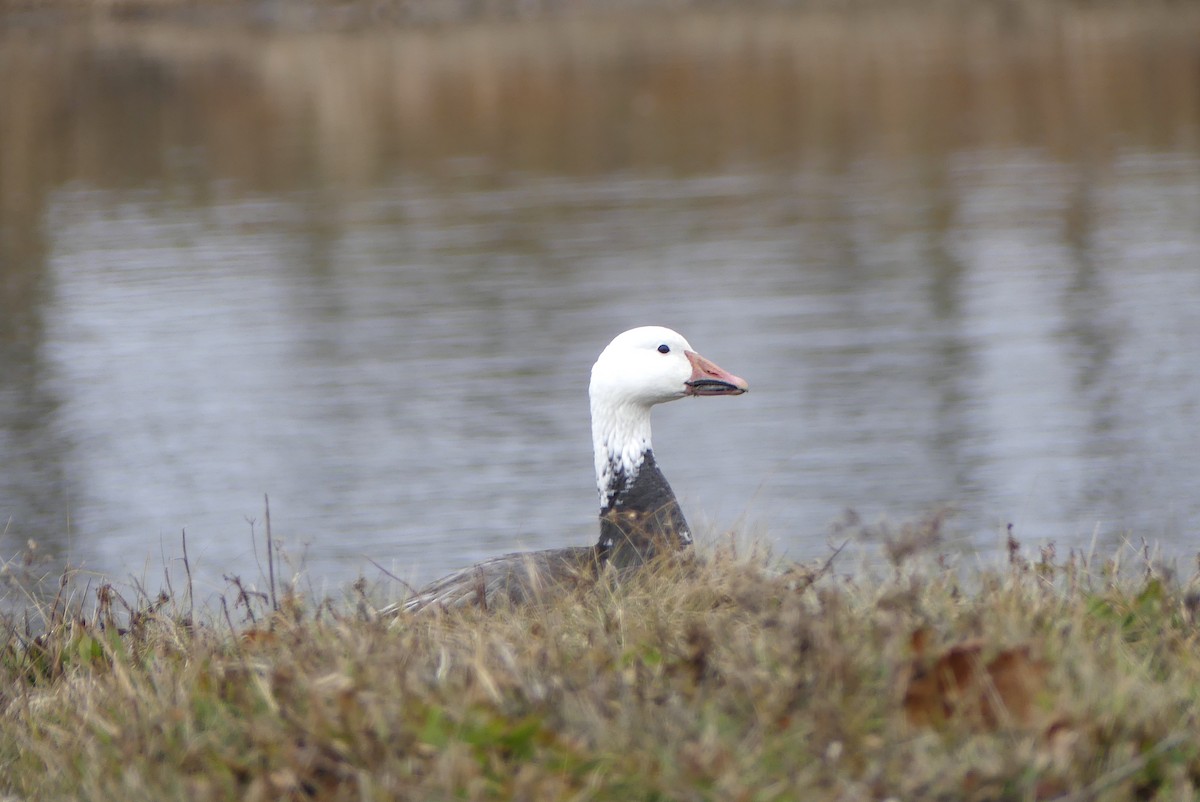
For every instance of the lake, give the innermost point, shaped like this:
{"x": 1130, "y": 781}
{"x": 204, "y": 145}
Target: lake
{"x": 366, "y": 272}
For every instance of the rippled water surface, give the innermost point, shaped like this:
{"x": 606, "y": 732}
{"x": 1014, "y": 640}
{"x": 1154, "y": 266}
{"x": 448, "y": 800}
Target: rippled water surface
{"x": 388, "y": 329}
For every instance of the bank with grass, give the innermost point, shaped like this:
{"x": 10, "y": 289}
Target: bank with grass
{"x": 726, "y": 677}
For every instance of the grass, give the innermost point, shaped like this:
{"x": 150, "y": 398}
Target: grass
{"x": 727, "y": 677}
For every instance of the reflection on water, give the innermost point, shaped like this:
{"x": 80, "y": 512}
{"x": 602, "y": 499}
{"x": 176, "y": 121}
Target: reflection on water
{"x": 387, "y": 324}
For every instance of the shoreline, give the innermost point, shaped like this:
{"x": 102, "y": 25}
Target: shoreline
{"x": 728, "y": 677}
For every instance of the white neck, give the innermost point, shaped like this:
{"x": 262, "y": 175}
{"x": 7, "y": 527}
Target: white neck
{"x": 620, "y": 439}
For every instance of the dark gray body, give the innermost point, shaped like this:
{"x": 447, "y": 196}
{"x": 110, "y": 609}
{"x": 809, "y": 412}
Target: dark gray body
{"x": 642, "y": 520}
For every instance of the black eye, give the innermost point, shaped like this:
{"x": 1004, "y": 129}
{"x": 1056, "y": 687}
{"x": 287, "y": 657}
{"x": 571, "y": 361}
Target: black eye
{"x": 664, "y": 349}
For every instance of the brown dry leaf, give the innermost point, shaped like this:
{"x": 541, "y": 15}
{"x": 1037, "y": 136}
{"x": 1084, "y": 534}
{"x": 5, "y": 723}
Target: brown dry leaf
{"x": 919, "y": 640}
{"x": 958, "y": 685}
{"x": 1017, "y": 680}
{"x": 922, "y": 700}
{"x": 934, "y": 691}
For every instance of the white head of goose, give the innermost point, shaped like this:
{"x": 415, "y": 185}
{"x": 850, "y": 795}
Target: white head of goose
{"x": 639, "y": 515}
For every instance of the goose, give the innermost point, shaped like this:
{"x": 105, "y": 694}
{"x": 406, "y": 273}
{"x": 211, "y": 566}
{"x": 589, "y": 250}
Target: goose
{"x": 640, "y": 517}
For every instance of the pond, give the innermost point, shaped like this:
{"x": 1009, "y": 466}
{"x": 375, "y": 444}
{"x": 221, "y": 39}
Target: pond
{"x": 366, "y": 274}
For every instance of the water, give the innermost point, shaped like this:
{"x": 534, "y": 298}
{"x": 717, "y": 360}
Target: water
{"x": 391, "y": 335}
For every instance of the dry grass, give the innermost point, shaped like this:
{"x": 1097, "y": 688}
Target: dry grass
{"x": 724, "y": 678}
